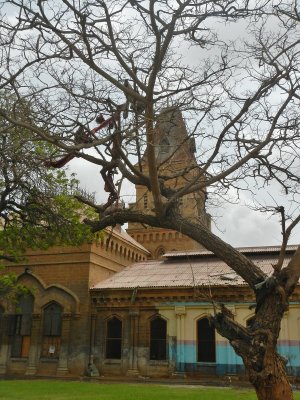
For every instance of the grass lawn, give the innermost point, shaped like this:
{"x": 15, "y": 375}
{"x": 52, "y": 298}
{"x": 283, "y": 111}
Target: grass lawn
{"x": 59, "y": 390}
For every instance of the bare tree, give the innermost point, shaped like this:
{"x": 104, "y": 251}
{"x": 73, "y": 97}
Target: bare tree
{"x": 127, "y": 60}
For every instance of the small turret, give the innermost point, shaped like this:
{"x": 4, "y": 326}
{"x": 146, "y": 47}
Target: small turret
{"x": 172, "y": 140}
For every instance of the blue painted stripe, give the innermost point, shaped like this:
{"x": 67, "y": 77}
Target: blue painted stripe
{"x": 291, "y": 352}
{"x": 183, "y": 354}
{"x": 186, "y": 352}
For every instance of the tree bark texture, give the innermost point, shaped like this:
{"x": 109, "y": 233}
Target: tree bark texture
{"x": 256, "y": 344}
{"x": 275, "y": 386}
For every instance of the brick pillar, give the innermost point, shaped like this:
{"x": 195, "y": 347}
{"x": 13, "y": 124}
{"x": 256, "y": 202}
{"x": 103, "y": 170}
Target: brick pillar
{"x": 34, "y": 345}
{"x": 62, "y": 368}
{"x": 134, "y": 337}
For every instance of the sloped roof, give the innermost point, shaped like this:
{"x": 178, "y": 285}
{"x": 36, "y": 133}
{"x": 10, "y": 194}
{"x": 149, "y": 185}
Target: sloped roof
{"x": 202, "y": 271}
{"x": 123, "y": 235}
{"x": 244, "y": 250}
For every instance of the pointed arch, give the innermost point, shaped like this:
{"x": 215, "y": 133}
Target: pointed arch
{"x": 158, "y": 338}
{"x": 44, "y": 293}
{"x": 19, "y": 325}
{"x": 164, "y": 146}
{"x": 159, "y": 252}
{"x": 52, "y": 325}
{"x": 114, "y": 329}
{"x": 206, "y": 341}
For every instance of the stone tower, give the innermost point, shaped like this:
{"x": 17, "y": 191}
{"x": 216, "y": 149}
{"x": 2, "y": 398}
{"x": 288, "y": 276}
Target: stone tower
{"x": 175, "y": 153}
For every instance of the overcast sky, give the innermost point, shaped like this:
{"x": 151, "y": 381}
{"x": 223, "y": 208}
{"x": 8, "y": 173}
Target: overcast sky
{"x": 234, "y": 223}
{"x": 237, "y": 224}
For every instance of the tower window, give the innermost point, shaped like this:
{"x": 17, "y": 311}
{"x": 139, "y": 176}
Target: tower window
{"x": 160, "y": 252}
{"x": 145, "y": 199}
{"x": 164, "y": 146}
{"x": 206, "y": 349}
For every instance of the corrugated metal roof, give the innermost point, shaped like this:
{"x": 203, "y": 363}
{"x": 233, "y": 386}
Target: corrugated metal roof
{"x": 244, "y": 250}
{"x": 181, "y": 273}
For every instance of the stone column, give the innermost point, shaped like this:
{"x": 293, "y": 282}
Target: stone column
{"x": 133, "y": 356}
{"x": 92, "y": 369}
{"x": 92, "y": 337}
{"x": 34, "y": 345}
{"x": 62, "y": 368}
{"x": 285, "y": 328}
{"x": 180, "y": 314}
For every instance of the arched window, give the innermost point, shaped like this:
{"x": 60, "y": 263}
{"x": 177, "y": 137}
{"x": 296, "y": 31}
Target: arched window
{"x": 160, "y": 251}
{"x": 52, "y": 324}
{"x": 206, "y": 351}
{"x": 164, "y": 146}
{"x": 158, "y": 339}
{"x": 20, "y": 327}
{"x": 114, "y": 338}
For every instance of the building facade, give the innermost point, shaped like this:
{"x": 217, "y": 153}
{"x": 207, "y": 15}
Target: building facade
{"x": 160, "y": 311}
{"x": 49, "y": 333}
{"x": 136, "y": 303}
{"x": 107, "y": 310}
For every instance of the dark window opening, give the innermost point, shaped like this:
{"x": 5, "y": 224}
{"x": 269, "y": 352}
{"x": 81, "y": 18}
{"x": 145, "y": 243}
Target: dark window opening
{"x": 206, "y": 351}
{"x": 114, "y": 338}
{"x": 145, "y": 198}
{"x": 160, "y": 253}
{"x": 250, "y": 322}
{"x": 158, "y": 339}
{"x": 20, "y": 327}
{"x": 164, "y": 146}
{"x": 52, "y": 330}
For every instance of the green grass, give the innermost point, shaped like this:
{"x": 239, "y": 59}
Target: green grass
{"x": 60, "y": 390}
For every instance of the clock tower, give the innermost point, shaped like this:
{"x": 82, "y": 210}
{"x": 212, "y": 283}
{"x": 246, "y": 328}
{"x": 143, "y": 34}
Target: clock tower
{"x": 175, "y": 155}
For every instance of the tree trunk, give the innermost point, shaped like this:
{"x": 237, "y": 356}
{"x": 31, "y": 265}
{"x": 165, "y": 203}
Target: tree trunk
{"x": 256, "y": 344}
{"x": 273, "y": 386}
